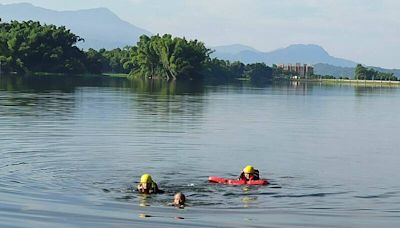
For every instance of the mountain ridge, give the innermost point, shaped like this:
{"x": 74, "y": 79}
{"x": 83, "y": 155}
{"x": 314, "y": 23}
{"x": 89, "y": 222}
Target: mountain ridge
{"x": 100, "y": 27}
{"x": 295, "y": 53}
{"x": 233, "y": 48}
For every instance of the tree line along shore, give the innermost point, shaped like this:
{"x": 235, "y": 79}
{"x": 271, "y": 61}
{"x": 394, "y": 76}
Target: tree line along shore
{"x": 28, "y": 47}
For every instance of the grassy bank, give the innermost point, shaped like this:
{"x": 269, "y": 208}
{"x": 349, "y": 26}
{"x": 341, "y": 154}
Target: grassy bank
{"x": 115, "y": 75}
{"x": 354, "y": 82}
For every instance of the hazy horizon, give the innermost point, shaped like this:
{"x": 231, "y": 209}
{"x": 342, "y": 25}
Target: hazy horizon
{"x": 362, "y": 31}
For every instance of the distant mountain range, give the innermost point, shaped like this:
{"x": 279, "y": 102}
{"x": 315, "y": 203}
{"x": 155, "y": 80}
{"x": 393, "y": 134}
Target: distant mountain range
{"x": 297, "y": 53}
{"x": 100, "y": 27}
{"x": 324, "y": 64}
{"x": 337, "y": 71}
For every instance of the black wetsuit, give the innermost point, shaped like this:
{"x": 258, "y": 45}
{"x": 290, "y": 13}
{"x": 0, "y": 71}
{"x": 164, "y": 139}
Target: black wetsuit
{"x": 153, "y": 189}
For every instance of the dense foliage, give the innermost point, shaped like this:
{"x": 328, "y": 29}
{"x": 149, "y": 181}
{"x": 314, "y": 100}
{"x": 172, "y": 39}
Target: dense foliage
{"x": 113, "y": 61}
{"x": 168, "y": 57}
{"x": 32, "y": 47}
{"x": 221, "y": 70}
{"x": 363, "y": 73}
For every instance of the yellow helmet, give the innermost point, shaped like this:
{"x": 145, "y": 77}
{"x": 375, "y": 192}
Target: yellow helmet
{"x": 146, "y": 178}
{"x": 248, "y": 169}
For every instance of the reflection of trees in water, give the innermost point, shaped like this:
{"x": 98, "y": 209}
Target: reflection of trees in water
{"x": 36, "y": 93}
{"x": 362, "y": 90}
{"x": 165, "y": 88}
{"x": 27, "y": 96}
{"x": 51, "y": 83}
{"x": 27, "y": 104}
{"x": 169, "y": 99}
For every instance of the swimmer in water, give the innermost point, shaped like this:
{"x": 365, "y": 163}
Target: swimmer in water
{"x": 147, "y": 185}
{"x": 179, "y": 200}
{"x": 249, "y": 173}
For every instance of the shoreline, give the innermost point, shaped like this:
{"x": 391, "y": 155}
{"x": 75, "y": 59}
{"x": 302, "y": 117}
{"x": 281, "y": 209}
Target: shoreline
{"x": 317, "y": 80}
{"x": 39, "y": 74}
{"x": 352, "y": 82}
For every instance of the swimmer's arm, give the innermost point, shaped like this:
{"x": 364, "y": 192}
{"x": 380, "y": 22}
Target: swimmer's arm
{"x": 157, "y": 190}
{"x": 256, "y": 174}
{"x": 241, "y": 176}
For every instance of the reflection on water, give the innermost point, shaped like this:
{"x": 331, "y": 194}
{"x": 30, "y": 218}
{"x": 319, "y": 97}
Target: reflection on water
{"x": 143, "y": 200}
{"x": 73, "y": 149}
{"x": 70, "y": 83}
{"x": 375, "y": 90}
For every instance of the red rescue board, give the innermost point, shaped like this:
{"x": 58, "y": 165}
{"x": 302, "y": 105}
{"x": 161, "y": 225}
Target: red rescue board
{"x": 220, "y": 180}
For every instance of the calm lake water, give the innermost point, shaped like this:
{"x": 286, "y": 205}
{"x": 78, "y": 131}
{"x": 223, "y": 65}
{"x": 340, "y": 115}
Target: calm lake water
{"x": 72, "y": 151}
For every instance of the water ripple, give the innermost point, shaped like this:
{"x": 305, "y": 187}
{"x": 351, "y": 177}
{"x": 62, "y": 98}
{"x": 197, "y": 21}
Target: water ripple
{"x": 72, "y": 155}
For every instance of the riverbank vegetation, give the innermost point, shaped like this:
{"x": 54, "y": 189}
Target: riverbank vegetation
{"x": 173, "y": 58}
{"x": 32, "y": 48}
{"x": 363, "y": 73}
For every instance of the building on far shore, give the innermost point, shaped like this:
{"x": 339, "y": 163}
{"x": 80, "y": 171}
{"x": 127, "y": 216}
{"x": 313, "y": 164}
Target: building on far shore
{"x": 299, "y": 70}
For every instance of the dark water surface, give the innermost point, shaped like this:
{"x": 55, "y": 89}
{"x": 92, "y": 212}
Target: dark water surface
{"x": 72, "y": 151}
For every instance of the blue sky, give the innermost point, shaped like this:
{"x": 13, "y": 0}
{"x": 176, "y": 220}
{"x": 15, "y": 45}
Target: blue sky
{"x": 365, "y": 31}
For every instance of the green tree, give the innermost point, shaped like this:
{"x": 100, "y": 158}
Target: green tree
{"x": 258, "y": 72}
{"x": 168, "y": 57}
{"x": 30, "y": 46}
{"x": 360, "y": 72}
{"x": 363, "y": 73}
{"x": 95, "y": 61}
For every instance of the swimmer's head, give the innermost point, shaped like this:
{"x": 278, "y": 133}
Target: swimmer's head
{"x": 248, "y": 172}
{"x": 179, "y": 199}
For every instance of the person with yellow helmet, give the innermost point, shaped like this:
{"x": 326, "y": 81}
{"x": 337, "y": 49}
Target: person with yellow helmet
{"x": 147, "y": 185}
{"x": 249, "y": 173}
